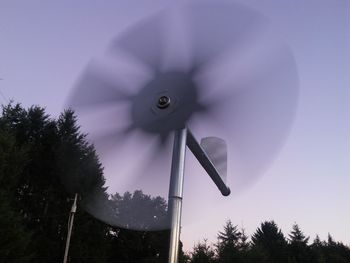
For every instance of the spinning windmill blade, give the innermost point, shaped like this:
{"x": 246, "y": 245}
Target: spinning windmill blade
{"x": 205, "y": 69}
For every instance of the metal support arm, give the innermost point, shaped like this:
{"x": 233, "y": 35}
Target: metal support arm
{"x": 206, "y": 163}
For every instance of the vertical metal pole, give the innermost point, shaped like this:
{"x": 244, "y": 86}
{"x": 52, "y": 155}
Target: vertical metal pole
{"x": 176, "y": 192}
{"x": 70, "y": 227}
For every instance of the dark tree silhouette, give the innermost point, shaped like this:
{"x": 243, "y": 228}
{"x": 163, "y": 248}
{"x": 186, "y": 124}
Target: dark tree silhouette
{"x": 139, "y": 210}
{"x": 296, "y": 236}
{"x": 227, "y": 246}
{"x": 43, "y": 162}
{"x": 270, "y": 240}
{"x": 38, "y": 186}
{"x": 14, "y": 237}
{"x": 298, "y": 246}
{"x": 243, "y": 244}
{"x": 202, "y": 253}
{"x": 144, "y": 211}
{"x": 336, "y": 252}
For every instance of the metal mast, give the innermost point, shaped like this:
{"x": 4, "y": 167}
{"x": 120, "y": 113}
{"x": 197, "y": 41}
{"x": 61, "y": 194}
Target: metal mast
{"x": 176, "y": 192}
{"x": 70, "y": 227}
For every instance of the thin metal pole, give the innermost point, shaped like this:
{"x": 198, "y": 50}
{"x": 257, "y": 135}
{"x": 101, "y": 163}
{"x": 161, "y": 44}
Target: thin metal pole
{"x": 70, "y": 227}
{"x": 176, "y": 192}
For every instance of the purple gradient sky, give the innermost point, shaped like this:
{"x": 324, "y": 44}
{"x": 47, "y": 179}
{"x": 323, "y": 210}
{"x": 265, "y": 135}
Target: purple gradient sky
{"x": 45, "y": 44}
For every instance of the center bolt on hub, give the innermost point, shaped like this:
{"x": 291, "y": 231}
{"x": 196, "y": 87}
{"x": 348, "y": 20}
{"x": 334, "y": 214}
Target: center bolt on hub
{"x": 163, "y": 102}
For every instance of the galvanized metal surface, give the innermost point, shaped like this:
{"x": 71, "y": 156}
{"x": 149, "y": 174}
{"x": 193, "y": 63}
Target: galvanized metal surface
{"x": 176, "y": 192}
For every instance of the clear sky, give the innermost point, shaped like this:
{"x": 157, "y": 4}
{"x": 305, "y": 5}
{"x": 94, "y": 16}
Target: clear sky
{"x": 45, "y": 44}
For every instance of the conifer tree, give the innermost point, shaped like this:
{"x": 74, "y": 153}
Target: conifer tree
{"x": 14, "y": 237}
{"x": 318, "y": 250}
{"x": 297, "y": 236}
{"x": 269, "y": 240}
{"x": 202, "y": 253}
{"x": 227, "y": 246}
{"x": 317, "y": 242}
{"x": 298, "y": 248}
{"x": 243, "y": 243}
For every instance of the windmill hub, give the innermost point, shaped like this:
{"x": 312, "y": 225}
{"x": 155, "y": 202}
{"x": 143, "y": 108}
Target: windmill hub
{"x": 163, "y": 102}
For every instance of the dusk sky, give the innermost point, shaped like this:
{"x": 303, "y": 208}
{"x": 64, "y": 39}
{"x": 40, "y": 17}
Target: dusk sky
{"x": 44, "y": 45}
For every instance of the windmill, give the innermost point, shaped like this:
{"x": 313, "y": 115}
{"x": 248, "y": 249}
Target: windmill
{"x": 205, "y": 67}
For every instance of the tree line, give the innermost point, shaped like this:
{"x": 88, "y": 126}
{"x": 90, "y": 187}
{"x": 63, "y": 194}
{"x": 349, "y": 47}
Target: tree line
{"x": 44, "y": 161}
{"x": 268, "y": 244}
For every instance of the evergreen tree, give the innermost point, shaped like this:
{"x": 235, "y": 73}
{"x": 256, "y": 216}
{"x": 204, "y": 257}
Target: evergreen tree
{"x": 244, "y": 248}
{"x": 139, "y": 246}
{"x": 336, "y": 252}
{"x": 228, "y": 243}
{"x": 38, "y": 199}
{"x": 243, "y": 243}
{"x": 81, "y": 172}
{"x": 14, "y": 237}
{"x": 183, "y": 257}
{"x": 298, "y": 248}
{"x": 318, "y": 251}
{"x": 144, "y": 211}
{"x": 317, "y": 242}
{"x": 202, "y": 253}
{"x": 297, "y": 236}
{"x": 330, "y": 241}
{"x": 269, "y": 240}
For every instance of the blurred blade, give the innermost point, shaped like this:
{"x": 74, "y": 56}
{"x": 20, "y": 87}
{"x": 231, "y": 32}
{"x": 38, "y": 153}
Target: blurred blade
{"x": 148, "y": 180}
{"x": 217, "y": 27}
{"x": 177, "y": 53}
{"x": 216, "y": 149}
{"x": 139, "y": 211}
{"x": 97, "y": 87}
{"x": 256, "y": 110}
{"x": 107, "y": 142}
{"x": 224, "y": 79}
{"x": 138, "y": 197}
{"x": 144, "y": 41}
{"x": 153, "y": 173}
